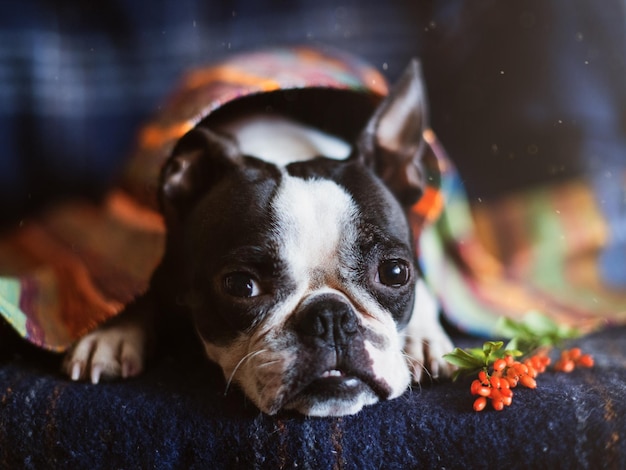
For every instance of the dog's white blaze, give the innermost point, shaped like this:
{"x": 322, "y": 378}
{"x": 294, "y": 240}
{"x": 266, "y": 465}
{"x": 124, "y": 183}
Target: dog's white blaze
{"x": 281, "y": 141}
{"x": 315, "y": 228}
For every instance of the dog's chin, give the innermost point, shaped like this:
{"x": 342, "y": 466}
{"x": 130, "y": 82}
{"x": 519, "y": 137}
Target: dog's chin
{"x": 333, "y": 395}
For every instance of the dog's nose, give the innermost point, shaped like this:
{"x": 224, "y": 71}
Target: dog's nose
{"x": 329, "y": 321}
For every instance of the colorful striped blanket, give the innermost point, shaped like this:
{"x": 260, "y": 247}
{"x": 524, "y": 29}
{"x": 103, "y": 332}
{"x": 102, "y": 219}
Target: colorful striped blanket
{"x": 67, "y": 270}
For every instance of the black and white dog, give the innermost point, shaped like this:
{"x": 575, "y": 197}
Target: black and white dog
{"x": 296, "y": 262}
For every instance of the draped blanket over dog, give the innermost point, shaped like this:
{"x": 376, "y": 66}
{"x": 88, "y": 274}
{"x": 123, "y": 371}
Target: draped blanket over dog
{"x": 71, "y": 268}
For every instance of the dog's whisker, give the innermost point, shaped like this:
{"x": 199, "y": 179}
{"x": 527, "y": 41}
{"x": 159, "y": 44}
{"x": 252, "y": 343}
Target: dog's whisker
{"x": 268, "y": 363}
{"x": 413, "y": 360}
{"x": 245, "y": 358}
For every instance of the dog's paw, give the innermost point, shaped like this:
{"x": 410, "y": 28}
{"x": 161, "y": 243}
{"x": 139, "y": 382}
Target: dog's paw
{"x": 424, "y": 353}
{"x": 110, "y": 352}
{"x": 426, "y": 341}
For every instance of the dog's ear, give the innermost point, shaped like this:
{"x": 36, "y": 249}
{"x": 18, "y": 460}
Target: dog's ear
{"x": 392, "y": 142}
{"x": 200, "y": 158}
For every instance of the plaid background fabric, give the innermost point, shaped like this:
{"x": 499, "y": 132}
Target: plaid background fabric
{"x": 530, "y": 90}
{"x": 78, "y": 78}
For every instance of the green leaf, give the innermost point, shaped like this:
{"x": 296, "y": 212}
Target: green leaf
{"x": 490, "y": 347}
{"x": 533, "y": 331}
{"x": 566, "y": 332}
{"x": 512, "y": 352}
{"x": 463, "y": 359}
{"x": 538, "y": 324}
{"x": 478, "y": 353}
{"x": 513, "y": 344}
{"x": 509, "y": 329}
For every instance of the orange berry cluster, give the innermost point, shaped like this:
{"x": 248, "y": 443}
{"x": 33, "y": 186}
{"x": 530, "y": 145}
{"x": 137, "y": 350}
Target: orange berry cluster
{"x": 507, "y": 374}
{"x": 572, "y": 358}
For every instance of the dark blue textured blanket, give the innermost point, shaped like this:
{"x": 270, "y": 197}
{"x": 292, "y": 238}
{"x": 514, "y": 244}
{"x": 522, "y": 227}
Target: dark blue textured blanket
{"x": 177, "y": 416}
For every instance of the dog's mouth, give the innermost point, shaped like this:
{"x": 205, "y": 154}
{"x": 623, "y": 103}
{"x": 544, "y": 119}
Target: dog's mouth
{"x": 335, "y": 383}
{"x": 339, "y": 389}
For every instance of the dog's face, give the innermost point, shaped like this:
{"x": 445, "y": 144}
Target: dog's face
{"x": 301, "y": 273}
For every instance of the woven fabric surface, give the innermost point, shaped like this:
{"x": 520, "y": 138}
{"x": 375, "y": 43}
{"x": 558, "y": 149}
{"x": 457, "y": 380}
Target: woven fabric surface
{"x": 177, "y": 415}
{"x": 543, "y": 249}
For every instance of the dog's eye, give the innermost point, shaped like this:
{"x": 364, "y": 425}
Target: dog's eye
{"x": 241, "y": 284}
{"x": 393, "y": 273}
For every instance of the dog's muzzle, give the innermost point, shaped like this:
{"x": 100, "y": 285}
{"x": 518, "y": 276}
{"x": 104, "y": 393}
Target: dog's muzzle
{"x": 332, "y": 363}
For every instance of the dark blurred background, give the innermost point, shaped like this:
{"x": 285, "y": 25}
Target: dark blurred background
{"x": 521, "y": 92}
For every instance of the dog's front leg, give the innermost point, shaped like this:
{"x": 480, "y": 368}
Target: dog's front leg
{"x": 426, "y": 341}
{"x": 117, "y": 349}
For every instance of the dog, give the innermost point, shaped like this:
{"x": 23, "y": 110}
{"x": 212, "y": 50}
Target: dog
{"x": 291, "y": 251}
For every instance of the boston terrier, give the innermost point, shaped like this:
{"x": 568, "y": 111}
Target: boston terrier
{"x": 291, "y": 250}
